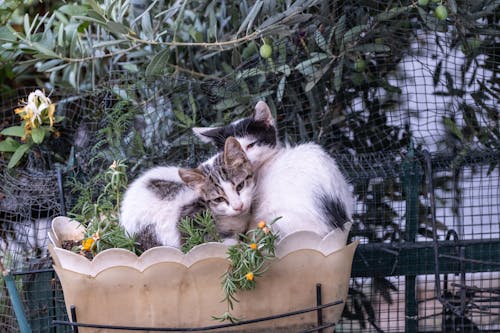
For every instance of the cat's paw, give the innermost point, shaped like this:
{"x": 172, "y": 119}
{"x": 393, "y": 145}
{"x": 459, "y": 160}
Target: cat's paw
{"x": 229, "y": 241}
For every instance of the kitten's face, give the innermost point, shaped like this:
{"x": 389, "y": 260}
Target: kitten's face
{"x": 257, "y": 134}
{"x": 225, "y": 182}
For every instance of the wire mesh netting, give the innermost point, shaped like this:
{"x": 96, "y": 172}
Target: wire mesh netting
{"x": 405, "y": 103}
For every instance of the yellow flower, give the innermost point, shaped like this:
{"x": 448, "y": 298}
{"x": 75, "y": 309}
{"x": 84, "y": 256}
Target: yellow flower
{"x": 50, "y": 114}
{"x": 87, "y": 244}
{"x": 37, "y": 109}
{"x": 253, "y": 246}
{"x": 114, "y": 165}
{"x": 249, "y": 276}
{"x": 261, "y": 224}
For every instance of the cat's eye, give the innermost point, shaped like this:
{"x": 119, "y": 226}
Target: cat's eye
{"x": 240, "y": 186}
{"x": 250, "y": 145}
{"x": 218, "y": 200}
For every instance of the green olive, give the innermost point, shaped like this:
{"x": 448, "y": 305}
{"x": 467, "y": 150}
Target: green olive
{"x": 423, "y": 3}
{"x": 360, "y": 65}
{"x": 266, "y": 51}
{"x": 441, "y": 12}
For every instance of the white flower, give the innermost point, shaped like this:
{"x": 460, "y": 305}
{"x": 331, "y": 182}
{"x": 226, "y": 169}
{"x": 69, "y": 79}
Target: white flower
{"x": 37, "y": 103}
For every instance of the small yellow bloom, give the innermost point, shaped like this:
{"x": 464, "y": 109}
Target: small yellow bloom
{"x": 261, "y": 224}
{"x": 249, "y": 276}
{"x": 253, "y": 246}
{"x": 87, "y": 244}
{"x": 114, "y": 165}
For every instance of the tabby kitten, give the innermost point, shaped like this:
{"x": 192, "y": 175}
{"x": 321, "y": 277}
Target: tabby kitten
{"x": 155, "y": 202}
{"x": 302, "y": 184}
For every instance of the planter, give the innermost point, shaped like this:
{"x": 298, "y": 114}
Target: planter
{"x": 166, "y": 288}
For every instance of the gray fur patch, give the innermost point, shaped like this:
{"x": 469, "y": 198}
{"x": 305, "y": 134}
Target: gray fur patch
{"x": 192, "y": 208}
{"x": 146, "y": 237}
{"x": 165, "y": 189}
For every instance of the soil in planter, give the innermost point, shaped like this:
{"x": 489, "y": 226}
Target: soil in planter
{"x": 71, "y": 244}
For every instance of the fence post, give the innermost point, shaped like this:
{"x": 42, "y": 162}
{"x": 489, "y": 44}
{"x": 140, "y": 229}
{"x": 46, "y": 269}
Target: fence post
{"x": 15, "y": 299}
{"x": 411, "y": 174}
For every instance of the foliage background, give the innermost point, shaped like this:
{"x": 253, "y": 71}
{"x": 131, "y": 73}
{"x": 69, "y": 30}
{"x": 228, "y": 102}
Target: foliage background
{"x": 366, "y": 79}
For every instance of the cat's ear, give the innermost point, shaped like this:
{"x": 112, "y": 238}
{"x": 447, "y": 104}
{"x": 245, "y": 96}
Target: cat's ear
{"x": 193, "y": 178}
{"x": 207, "y": 134}
{"x": 263, "y": 113}
{"x": 234, "y": 156}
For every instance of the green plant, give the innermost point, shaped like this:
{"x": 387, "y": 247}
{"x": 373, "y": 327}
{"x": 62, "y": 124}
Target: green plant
{"x": 197, "y": 230}
{"x": 100, "y": 218}
{"x": 37, "y": 123}
{"x": 248, "y": 260}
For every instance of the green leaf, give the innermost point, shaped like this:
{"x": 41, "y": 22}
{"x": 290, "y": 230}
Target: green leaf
{"x": 339, "y": 30}
{"x": 453, "y": 6}
{"x": 249, "y": 73}
{"x": 320, "y": 41}
{"x": 250, "y": 18}
{"x": 181, "y": 116}
{"x": 353, "y": 33}
{"x": 337, "y": 79}
{"x": 18, "y": 154}
{"x": 43, "y": 50}
{"x": 372, "y": 48}
{"x": 9, "y": 145}
{"x": 14, "y": 131}
{"x": 158, "y": 63}
{"x": 305, "y": 67}
{"x": 72, "y": 9}
{"x": 453, "y": 128}
{"x": 317, "y": 76}
{"x": 37, "y": 134}
{"x": 6, "y": 35}
{"x": 392, "y": 13}
{"x": 281, "y": 89}
{"x": 95, "y": 6}
{"x": 226, "y": 104}
{"x": 285, "y": 69}
{"x": 45, "y": 66}
{"x": 117, "y": 28}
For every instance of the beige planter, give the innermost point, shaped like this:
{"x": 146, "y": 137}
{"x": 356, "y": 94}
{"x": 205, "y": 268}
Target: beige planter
{"x": 166, "y": 288}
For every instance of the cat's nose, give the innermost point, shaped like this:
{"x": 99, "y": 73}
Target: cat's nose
{"x": 238, "y": 207}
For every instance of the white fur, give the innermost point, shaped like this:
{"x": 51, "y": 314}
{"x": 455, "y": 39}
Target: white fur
{"x": 141, "y": 206}
{"x": 289, "y": 184}
{"x": 290, "y": 180}
{"x": 257, "y": 154}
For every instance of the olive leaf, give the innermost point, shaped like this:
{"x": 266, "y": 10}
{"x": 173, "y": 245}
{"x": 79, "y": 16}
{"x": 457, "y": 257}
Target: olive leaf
{"x": 281, "y": 89}
{"x": 37, "y": 134}
{"x": 353, "y": 34}
{"x": 158, "y": 63}
{"x": 392, "y": 13}
{"x": 9, "y": 145}
{"x": 18, "y": 155}
{"x": 14, "y": 131}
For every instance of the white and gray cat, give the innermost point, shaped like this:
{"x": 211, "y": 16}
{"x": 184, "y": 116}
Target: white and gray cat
{"x": 154, "y": 203}
{"x": 302, "y": 184}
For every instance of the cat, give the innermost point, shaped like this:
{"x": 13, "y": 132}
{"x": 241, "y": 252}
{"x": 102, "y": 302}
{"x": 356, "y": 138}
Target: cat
{"x": 301, "y": 184}
{"x": 156, "y": 201}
